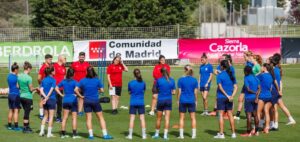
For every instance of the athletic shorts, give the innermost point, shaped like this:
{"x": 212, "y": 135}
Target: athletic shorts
{"x": 204, "y": 88}
{"x": 244, "y": 89}
{"x": 190, "y": 107}
{"x": 224, "y": 104}
{"x": 154, "y": 89}
{"x": 14, "y": 102}
{"x": 266, "y": 100}
{"x": 27, "y": 104}
{"x": 118, "y": 90}
{"x": 250, "y": 105}
{"x": 164, "y": 105}
{"x": 50, "y": 104}
{"x": 275, "y": 96}
{"x": 92, "y": 107}
{"x": 140, "y": 109}
{"x": 73, "y": 107}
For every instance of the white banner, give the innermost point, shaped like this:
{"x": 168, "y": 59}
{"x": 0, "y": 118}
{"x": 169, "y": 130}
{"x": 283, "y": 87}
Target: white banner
{"x": 129, "y": 49}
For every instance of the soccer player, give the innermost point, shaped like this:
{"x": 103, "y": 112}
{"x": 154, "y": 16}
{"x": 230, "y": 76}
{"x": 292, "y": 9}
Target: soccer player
{"x": 80, "y": 68}
{"x": 156, "y": 75}
{"x": 264, "y": 98}
{"x": 47, "y": 91}
{"x": 90, "y": 86}
{"x": 166, "y": 87}
{"x": 252, "y": 86}
{"x": 187, "y": 99}
{"x": 41, "y": 76}
{"x": 136, "y": 90}
{"x": 114, "y": 77}
{"x": 60, "y": 72}
{"x": 257, "y": 63}
{"x": 248, "y": 56}
{"x": 13, "y": 98}
{"x": 206, "y": 72}
{"x": 226, "y": 91}
{"x": 70, "y": 103}
{"x": 26, "y": 90}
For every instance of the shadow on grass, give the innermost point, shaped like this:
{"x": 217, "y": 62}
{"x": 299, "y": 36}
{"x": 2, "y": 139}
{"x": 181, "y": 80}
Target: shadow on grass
{"x": 125, "y": 133}
{"x": 176, "y": 134}
{"x": 211, "y": 132}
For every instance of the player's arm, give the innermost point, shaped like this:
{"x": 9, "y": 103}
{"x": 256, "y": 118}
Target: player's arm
{"x": 234, "y": 90}
{"x": 124, "y": 66}
{"x": 58, "y": 91}
{"x": 39, "y": 79}
{"x": 222, "y": 90}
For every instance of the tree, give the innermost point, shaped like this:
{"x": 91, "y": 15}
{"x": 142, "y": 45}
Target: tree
{"x": 295, "y": 11}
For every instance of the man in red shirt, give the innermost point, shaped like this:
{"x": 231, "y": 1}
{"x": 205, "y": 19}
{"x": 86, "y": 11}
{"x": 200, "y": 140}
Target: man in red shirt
{"x": 80, "y": 68}
{"x": 41, "y": 76}
{"x": 156, "y": 75}
{"x": 114, "y": 77}
{"x": 60, "y": 72}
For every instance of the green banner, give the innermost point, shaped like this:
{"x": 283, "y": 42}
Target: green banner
{"x": 34, "y": 51}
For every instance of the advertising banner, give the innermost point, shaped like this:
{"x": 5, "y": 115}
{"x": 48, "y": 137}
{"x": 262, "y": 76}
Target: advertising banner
{"x": 214, "y": 48}
{"x": 128, "y": 49}
{"x": 32, "y": 51}
{"x": 290, "y": 47}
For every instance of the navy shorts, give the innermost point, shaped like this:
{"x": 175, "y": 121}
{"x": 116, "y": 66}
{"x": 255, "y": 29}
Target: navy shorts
{"x": 204, "y": 88}
{"x": 92, "y": 107}
{"x": 190, "y": 107}
{"x": 14, "y": 102}
{"x": 50, "y": 104}
{"x": 224, "y": 104}
{"x": 73, "y": 107}
{"x": 250, "y": 105}
{"x": 140, "y": 109}
{"x": 164, "y": 105}
{"x": 154, "y": 89}
{"x": 244, "y": 89}
{"x": 275, "y": 96}
{"x": 266, "y": 100}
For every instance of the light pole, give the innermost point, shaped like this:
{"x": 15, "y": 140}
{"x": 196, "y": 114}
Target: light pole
{"x": 27, "y": 12}
{"x": 230, "y": 11}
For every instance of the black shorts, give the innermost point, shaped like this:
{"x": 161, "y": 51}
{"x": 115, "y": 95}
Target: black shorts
{"x": 154, "y": 89}
{"x": 27, "y": 104}
{"x": 92, "y": 106}
{"x": 73, "y": 107}
{"x": 118, "y": 90}
{"x": 50, "y": 104}
{"x": 140, "y": 109}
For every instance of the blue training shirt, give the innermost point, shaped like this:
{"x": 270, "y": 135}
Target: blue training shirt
{"x": 90, "y": 87}
{"x": 266, "y": 83}
{"x": 205, "y": 71}
{"x": 137, "y": 92}
{"x": 252, "y": 83}
{"x": 12, "y": 81}
{"x": 48, "y": 83}
{"x": 277, "y": 75}
{"x": 69, "y": 93}
{"x": 224, "y": 79}
{"x": 165, "y": 88}
{"x": 187, "y": 84}
{"x": 250, "y": 64}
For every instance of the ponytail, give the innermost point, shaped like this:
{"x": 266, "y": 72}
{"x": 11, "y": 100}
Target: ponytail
{"x": 14, "y": 67}
{"x": 49, "y": 70}
{"x": 270, "y": 70}
{"x": 27, "y": 65}
{"x": 165, "y": 73}
{"x": 70, "y": 73}
{"x": 188, "y": 70}
{"x": 137, "y": 75}
{"x": 226, "y": 66}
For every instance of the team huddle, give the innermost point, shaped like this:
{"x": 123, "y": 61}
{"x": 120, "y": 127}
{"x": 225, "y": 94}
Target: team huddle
{"x": 76, "y": 90}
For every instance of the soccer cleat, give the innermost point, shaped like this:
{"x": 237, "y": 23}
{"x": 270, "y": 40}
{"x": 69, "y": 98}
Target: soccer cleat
{"x": 10, "y": 128}
{"x": 129, "y": 137}
{"x": 50, "y": 136}
{"x": 203, "y": 113}
{"x": 166, "y": 138}
{"x": 213, "y": 113}
{"x": 151, "y": 113}
{"x": 27, "y": 130}
{"x": 58, "y": 120}
{"x": 91, "y": 138}
{"x": 236, "y": 118}
{"x": 80, "y": 114}
{"x": 219, "y": 136}
{"x": 144, "y": 137}
{"x": 155, "y": 137}
{"x": 41, "y": 117}
{"x": 291, "y": 122}
{"x": 64, "y": 136}
{"x": 76, "y": 137}
{"x": 180, "y": 137}
{"x": 246, "y": 135}
{"x": 107, "y": 137}
{"x": 233, "y": 135}
{"x": 266, "y": 131}
{"x": 17, "y": 129}
{"x": 193, "y": 137}
{"x": 41, "y": 134}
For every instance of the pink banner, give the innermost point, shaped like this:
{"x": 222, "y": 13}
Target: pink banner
{"x": 214, "y": 48}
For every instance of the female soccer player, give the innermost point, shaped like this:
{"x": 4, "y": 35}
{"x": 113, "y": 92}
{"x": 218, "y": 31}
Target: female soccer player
{"x": 156, "y": 75}
{"x": 90, "y": 86}
{"x": 70, "y": 103}
{"x": 47, "y": 91}
{"x": 264, "y": 97}
{"x": 13, "y": 98}
{"x": 166, "y": 87}
{"x": 187, "y": 99}
{"x": 114, "y": 77}
{"x": 252, "y": 86}
{"x": 226, "y": 91}
{"x": 257, "y": 63}
{"x": 136, "y": 90}
{"x": 26, "y": 88}
{"x": 206, "y": 72}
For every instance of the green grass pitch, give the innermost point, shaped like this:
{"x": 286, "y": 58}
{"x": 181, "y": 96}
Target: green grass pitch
{"x": 117, "y": 125}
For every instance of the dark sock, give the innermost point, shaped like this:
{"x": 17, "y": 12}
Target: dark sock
{"x": 74, "y": 132}
{"x": 63, "y": 133}
{"x": 256, "y": 129}
{"x": 16, "y": 125}
{"x": 238, "y": 114}
{"x": 9, "y": 124}
{"x": 215, "y": 109}
{"x": 26, "y": 125}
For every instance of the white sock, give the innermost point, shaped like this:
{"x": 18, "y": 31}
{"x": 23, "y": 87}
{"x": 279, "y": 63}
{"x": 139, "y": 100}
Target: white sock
{"x": 41, "y": 112}
{"x": 180, "y": 132}
{"x": 291, "y": 119}
{"x": 166, "y": 133}
{"x": 104, "y": 132}
{"x": 130, "y": 132}
{"x": 261, "y": 122}
{"x": 144, "y": 132}
{"x": 157, "y": 132}
{"x": 276, "y": 125}
{"x": 42, "y": 128}
{"x": 91, "y": 133}
{"x": 271, "y": 124}
{"x": 193, "y": 132}
{"x": 49, "y": 131}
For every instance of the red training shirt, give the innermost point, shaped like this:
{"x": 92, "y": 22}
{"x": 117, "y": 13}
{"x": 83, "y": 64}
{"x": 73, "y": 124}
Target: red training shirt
{"x": 42, "y": 70}
{"x": 79, "y": 70}
{"x": 115, "y": 72}
{"x": 156, "y": 71}
{"x": 60, "y": 72}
